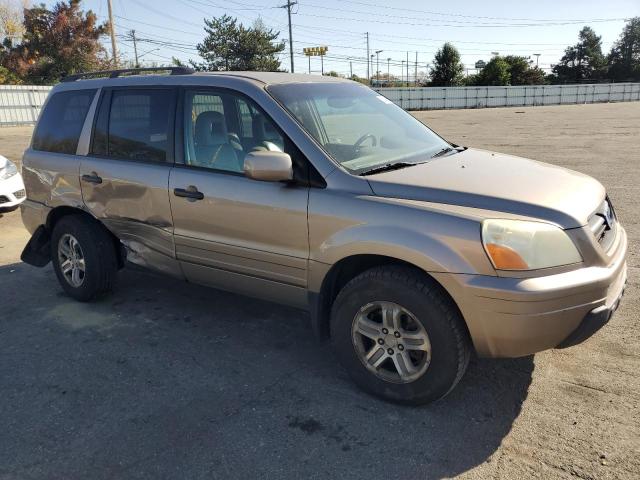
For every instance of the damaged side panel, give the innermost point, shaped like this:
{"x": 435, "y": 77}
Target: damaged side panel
{"x": 131, "y": 199}
{"x": 51, "y": 179}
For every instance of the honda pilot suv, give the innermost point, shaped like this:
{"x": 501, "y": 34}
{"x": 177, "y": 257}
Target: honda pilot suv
{"x": 409, "y": 252}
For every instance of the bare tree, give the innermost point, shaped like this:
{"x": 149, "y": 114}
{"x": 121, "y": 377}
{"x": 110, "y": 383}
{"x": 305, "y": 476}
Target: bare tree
{"x": 11, "y": 19}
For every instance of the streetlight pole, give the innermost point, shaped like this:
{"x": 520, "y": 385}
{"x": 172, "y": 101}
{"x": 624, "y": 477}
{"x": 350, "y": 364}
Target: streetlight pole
{"x": 537, "y": 55}
{"x": 371, "y": 79}
{"x": 378, "y": 65}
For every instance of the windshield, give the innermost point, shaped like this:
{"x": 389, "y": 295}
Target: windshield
{"x": 357, "y": 127}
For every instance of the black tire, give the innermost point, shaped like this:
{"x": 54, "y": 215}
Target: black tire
{"x": 101, "y": 263}
{"x": 432, "y": 308}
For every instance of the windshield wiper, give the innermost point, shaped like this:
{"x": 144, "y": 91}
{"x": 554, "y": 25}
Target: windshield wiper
{"x": 386, "y": 168}
{"x": 446, "y": 150}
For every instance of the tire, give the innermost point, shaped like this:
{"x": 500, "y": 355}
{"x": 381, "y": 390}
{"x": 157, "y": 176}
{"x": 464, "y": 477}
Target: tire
{"x": 421, "y": 305}
{"x": 97, "y": 251}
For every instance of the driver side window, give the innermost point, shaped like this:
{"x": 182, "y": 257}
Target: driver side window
{"x": 221, "y": 128}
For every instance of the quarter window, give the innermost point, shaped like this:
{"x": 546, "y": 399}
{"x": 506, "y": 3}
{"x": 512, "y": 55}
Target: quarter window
{"x": 61, "y": 122}
{"x": 135, "y": 125}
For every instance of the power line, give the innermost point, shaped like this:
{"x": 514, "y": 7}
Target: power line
{"x": 468, "y": 22}
{"x": 447, "y": 14}
{"x": 422, "y": 24}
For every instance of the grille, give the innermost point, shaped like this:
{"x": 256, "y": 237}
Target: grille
{"x": 3, "y": 199}
{"x": 20, "y": 194}
{"x": 603, "y": 224}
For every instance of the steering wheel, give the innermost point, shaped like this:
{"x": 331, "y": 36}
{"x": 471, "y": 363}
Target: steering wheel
{"x": 364, "y": 138}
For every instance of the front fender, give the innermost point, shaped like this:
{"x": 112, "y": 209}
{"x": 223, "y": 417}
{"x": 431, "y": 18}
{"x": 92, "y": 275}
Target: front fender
{"x": 424, "y": 250}
{"x": 432, "y": 239}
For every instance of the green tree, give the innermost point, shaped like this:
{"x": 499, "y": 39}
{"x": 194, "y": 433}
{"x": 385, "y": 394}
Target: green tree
{"x": 624, "y": 59}
{"x": 56, "y": 43}
{"x": 447, "y": 68}
{"x": 495, "y": 73}
{"x": 231, "y": 46}
{"x": 582, "y": 61}
{"x": 521, "y": 72}
{"x": 7, "y": 77}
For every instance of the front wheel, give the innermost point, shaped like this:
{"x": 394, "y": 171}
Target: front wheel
{"x": 399, "y": 335}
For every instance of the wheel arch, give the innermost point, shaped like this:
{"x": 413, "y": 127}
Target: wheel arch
{"x": 57, "y": 213}
{"x": 345, "y": 270}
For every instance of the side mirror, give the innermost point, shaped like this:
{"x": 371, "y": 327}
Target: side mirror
{"x": 268, "y": 166}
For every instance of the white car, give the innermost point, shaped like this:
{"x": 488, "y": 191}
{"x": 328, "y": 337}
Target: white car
{"x": 12, "y": 192}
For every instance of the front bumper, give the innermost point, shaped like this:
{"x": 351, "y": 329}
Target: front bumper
{"x": 513, "y": 317}
{"x": 12, "y": 192}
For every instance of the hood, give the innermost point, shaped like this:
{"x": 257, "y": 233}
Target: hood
{"x": 497, "y": 182}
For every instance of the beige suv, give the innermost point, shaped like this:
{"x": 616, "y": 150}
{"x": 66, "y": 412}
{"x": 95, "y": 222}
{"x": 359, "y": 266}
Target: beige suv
{"x": 409, "y": 252}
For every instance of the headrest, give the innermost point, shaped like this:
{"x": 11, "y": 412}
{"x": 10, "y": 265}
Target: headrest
{"x": 211, "y": 129}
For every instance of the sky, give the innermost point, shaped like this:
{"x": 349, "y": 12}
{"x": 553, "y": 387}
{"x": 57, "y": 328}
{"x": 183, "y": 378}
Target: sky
{"x": 172, "y": 28}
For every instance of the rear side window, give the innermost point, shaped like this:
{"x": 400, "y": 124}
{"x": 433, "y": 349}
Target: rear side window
{"x": 135, "y": 125}
{"x": 61, "y": 122}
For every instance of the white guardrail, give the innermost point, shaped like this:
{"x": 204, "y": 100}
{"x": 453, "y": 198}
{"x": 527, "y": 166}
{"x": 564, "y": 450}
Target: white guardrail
{"x": 21, "y": 104}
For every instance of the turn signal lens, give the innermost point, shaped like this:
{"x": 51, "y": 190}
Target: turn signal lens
{"x": 504, "y": 258}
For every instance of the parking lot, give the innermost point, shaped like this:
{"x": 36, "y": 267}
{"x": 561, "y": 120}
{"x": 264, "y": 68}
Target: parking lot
{"x": 171, "y": 380}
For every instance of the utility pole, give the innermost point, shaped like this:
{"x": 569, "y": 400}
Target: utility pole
{"x": 351, "y": 70}
{"x": 367, "y": 56}
{"x": 402, "y": 73}
{"x": 113, "y": 35}
{"x": 135, "y": 47}
{"x": 407, "y": 69}
{"x": 415, "y": 78}
{"x": 288, "y": 7}
{"x": 388, "y": 77}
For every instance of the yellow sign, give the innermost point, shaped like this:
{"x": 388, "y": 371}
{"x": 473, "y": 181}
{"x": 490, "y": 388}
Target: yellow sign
{"x": 315, "y": 51}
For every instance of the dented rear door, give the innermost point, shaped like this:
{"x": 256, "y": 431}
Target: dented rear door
{"x": 124, "y": 178}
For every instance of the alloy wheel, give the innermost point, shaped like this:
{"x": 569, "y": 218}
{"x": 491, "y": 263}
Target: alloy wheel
{"x": 390, "y": 342}
{"x": 71, "y": 260}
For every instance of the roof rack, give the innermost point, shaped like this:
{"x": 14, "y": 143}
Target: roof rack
{"x": 127, "y": 72}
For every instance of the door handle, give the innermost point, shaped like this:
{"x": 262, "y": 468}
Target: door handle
{"x": 93, "y": 178}
{"x": 191, "y": 193}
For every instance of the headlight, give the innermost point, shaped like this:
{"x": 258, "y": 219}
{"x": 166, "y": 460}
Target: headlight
{"x": 9, "y": 171}
{"x": 521, "y": 245}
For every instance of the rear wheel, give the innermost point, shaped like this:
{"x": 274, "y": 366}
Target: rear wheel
{"x": 399, "y": 335}
{"x": 83, "y": 257}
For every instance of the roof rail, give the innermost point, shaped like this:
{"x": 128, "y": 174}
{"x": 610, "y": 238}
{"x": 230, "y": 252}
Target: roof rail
{"x": 127, "y": 72}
